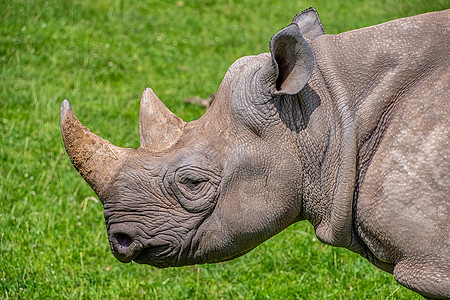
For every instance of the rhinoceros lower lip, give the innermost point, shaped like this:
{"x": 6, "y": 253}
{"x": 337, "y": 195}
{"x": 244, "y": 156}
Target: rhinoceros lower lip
{"x": 158, "y": 256}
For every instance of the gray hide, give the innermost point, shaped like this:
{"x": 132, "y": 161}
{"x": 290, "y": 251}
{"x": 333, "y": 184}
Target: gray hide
{"x": 347, "y": 131}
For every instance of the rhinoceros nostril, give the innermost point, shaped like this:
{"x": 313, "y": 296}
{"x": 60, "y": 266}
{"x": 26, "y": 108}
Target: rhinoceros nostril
{"x": 123, "y": 240}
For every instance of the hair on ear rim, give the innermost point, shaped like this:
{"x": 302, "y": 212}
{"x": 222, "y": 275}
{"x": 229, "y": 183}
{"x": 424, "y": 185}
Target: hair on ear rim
{"x": 309, "y": 23}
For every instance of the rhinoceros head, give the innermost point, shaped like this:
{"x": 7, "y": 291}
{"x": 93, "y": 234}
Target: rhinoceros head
{"x": 208, "y": 190}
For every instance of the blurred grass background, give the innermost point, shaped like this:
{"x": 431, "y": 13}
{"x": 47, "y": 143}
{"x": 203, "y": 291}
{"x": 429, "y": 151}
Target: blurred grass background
{"x": 101, "y": 55}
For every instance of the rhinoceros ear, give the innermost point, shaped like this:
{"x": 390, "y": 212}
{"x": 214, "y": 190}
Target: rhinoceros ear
{"x": 292, "y": 62}
{"x": 309, "y": 23}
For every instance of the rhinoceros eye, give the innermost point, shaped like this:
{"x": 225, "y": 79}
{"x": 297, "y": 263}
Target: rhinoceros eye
{"x": 192, "y": 184}
{"x": 195, "y": 188}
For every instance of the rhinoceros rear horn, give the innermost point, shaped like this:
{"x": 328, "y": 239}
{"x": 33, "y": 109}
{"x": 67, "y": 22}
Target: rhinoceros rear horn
{"x": 159, "y": 128}
{"x": 95, "y": 158}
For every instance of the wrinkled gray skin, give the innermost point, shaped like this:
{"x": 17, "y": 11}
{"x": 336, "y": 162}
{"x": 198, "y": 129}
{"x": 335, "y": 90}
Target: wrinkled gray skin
{"x": 347, "y": 131}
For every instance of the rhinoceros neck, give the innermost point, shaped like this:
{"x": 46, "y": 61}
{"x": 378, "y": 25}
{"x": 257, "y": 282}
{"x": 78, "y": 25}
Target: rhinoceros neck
{"x": 327, "y": 147}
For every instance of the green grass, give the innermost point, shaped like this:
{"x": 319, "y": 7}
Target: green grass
{"x": 101, "y": 55}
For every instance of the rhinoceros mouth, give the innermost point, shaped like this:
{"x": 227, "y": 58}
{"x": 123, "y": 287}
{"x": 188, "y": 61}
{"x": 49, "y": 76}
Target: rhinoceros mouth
{"x": 160, "y": 256}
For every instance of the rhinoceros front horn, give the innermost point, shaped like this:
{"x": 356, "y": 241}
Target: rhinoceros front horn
{"x": 158, "y": 126}
{"x": 95, "y": 158}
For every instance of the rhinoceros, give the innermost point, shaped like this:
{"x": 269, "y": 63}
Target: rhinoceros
{"x": 347, "y": 131}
